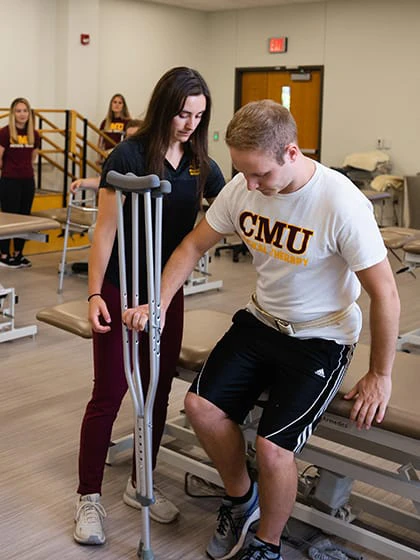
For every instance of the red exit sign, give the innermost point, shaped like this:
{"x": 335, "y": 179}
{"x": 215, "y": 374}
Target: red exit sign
{"x": 277, "y": 44}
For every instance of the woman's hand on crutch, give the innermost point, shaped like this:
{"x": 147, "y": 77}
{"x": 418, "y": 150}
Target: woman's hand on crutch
{"x": 137, "y": 318}
{"x": 98, "y": 315}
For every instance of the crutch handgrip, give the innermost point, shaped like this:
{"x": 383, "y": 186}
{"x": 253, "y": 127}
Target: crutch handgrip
{"x": 132, "y": 183}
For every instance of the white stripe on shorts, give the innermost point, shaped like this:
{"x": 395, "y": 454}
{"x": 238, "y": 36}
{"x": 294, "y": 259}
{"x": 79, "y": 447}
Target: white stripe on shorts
{"x": 307, "y": 432}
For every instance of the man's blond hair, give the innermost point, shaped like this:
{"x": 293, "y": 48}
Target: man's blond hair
{"x": 262, "y": 125}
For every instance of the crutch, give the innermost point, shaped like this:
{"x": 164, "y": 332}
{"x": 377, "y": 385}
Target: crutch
{"x": 149, "y": 187}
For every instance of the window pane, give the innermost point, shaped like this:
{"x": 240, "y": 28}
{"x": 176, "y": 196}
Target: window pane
{"x": 285, "y": 96}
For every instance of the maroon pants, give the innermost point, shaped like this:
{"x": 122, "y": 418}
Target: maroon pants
{"x": 110, "y": 386}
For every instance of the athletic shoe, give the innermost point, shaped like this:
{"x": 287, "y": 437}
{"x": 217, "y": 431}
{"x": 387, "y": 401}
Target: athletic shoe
{"x": 258, "y": 550}
{"x": 8, "y": 262}
{"x": 22, "y": 262}
{"x": 162, "y": 510}
{"x": 234, "y": 522}
{"x": 89, "y": 520}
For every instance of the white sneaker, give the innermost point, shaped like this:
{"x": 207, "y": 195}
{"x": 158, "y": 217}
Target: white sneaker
{"x": 162, "y": 510}
{"x": 89, "y": 520}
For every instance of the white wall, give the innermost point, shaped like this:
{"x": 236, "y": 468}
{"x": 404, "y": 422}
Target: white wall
{"x": 239, "y": 39}
{"x": 372, "y": 80}
{"x": 27, "y": 37}
{"x": 370, "y": 50}
{"x": 132, "y": 44}
{"x": 139, "y": 42}
{"x": 77, "y": 64}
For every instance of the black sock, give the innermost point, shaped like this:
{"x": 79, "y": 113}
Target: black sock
{"x": 242, "y": 499}
{"x": 272, "y": 547}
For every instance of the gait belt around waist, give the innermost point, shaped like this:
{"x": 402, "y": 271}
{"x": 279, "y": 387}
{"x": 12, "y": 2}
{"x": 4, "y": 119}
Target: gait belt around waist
{"x": 291, "y": 328}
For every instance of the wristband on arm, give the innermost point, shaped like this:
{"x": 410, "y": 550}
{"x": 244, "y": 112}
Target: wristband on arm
{"x": 93, "y": 295}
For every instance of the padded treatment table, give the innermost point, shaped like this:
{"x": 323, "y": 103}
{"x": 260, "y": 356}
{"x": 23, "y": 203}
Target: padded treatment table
{"x": 376, "y": 197}
{"x": 386, "y": 457}
{"x": 411, "y": 261}
{"x": 70, "y": 316}
{"x": 396, "y": 237}
{"x": 25, "y": 227}
{"x": 79, "y": 216}
{"x": 412, "y": 252}
{"x": 396, "y": 442}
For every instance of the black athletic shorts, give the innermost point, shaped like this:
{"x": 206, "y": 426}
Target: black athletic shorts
{"x": 301, "y": 377}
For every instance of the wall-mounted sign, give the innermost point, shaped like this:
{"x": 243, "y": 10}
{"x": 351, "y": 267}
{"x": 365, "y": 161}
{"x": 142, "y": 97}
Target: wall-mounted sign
{"x": 277, "y": 44}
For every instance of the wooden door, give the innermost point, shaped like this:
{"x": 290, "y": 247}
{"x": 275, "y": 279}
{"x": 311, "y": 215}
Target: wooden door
{"x": 300, "y": 90}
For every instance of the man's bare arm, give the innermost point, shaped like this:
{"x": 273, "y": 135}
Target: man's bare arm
{"x": 176, "y": 271}
{"x": 372, "y": 392}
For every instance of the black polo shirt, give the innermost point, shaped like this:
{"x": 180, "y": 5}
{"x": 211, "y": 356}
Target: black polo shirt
{"x": 180, "y": 207}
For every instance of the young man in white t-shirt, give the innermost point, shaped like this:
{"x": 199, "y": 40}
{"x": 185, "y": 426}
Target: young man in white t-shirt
{"x": 314, "y": 242}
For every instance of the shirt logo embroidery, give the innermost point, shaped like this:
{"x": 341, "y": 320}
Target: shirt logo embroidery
{"x": 320, "y": 373}
{"x": 117, "y": 127}
{"x": 194, "y": 171}
{"x": 280, "y": 240}
{"x": 22, "y": 142}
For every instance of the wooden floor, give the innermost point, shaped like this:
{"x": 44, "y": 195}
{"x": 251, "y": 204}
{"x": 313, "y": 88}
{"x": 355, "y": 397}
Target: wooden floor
{"x": 46, "y": 382}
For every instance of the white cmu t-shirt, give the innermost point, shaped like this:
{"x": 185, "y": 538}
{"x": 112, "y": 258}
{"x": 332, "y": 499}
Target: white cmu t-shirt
{"x": 306, "y": 246}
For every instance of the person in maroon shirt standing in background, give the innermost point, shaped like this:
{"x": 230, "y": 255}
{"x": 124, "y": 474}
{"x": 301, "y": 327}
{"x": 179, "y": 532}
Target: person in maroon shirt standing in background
{"x": 19, "y": 142}
{"x": 114, "y": 124}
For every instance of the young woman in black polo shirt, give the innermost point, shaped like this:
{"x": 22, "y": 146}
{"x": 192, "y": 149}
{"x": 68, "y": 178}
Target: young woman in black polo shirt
{"x": 173, "y": 143}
